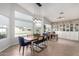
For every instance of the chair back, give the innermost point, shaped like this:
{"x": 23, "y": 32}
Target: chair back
{"x": 21, "y": 41}
{"x": 45, "y": 37}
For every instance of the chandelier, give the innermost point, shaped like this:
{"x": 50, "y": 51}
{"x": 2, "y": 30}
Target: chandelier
{"x": 36, "y": 17}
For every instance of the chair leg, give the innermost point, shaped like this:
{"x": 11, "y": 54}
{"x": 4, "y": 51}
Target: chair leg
{"x": 23, "y": 51}
{"x": 19, "y": 48}
{"x": 27, "y": 47}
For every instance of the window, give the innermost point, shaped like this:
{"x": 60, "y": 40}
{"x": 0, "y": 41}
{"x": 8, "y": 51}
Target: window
{"x": 54, "y": 27}
{"x": 22, "y": 31}
{"x": 23, "y": 24}
{"x": 3, "y": 31}
{"x": 4, "y": 21}
{"x": 48, "y": 28}
{"x": 44, "y": 28}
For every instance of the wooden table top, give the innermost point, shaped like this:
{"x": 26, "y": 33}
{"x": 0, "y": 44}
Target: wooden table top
{"x": 32, "y": 38}
{"x": 55, "y": 34}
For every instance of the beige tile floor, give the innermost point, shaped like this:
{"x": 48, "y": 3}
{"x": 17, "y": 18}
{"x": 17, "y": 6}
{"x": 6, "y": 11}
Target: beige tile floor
{"x": 55, "y": 48}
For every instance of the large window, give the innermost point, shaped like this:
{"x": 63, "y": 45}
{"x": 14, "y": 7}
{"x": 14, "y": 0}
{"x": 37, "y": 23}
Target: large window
{"x": 23, "y": 28}
{"x": 3, "y": 31}
{"x": 23, "y": 24}
{"x": 22, "y": 31}
{"x": 48, "y": 27}
{"x": 4, "y": 21}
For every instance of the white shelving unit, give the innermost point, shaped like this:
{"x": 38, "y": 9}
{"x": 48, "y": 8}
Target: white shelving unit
{"x": 67, "y": 30}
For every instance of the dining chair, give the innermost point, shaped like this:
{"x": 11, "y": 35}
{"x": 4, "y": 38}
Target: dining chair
{"x": 45, "y": 39}
{"x": 39, "y": 43}
{"x": 22, "y": 43}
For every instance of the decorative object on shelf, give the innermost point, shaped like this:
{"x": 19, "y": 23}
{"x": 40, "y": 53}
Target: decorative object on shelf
{"x": 71, "y": 27}
{"x": 76, "y": 27}
{"x": 29, "y": 29}
{"x": 67, "y": 27}
{"x": 44, "y": 28}
{"x": 63, "y": 27}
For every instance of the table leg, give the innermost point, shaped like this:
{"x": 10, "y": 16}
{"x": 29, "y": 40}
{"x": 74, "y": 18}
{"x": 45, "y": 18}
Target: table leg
{"x": 32, "y": 52}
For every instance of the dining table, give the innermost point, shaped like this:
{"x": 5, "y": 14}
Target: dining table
{"x": 32, "y": 38}
{"x": 55, "y": 36}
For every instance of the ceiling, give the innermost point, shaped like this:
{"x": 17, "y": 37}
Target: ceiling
{"x": 52, "y": 11}
{"x": 19, "y": 15}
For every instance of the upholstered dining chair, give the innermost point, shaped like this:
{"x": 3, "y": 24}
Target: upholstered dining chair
{"x": 22, "y": 43}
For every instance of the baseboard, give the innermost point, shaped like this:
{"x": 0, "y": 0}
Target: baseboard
{"x": 8, "y": 46}
{"x": 69, "y": 39}
{"x": 4, "y": 48}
